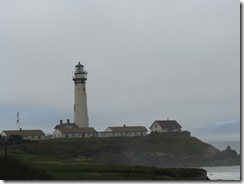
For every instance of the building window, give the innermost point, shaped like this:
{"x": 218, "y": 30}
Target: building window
{"x": 156, "y": 125}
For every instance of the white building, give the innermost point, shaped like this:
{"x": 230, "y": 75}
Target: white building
{"x": 74, "y": 132}
{"x": 165, "y": 126}
{"x": 80, "y": 97}
{"x": 25, "y": 134}
{"x": 128, "y": 131}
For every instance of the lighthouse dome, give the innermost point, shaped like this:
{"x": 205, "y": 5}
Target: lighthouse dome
{"x": 79, "y": 65}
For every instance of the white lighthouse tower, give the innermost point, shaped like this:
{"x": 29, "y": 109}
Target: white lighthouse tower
{"x": 80, "y": 99}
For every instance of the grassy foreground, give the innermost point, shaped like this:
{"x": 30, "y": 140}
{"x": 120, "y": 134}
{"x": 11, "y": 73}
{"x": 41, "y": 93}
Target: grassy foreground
{"x": 36, "y": 167}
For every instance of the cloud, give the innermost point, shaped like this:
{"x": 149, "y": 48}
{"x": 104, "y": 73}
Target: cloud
{"x": 219, "y": 131}
{"x": 146, "y": 60}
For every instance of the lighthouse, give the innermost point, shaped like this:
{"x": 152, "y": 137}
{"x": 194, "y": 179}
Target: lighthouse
{"x": 80, "y": 97}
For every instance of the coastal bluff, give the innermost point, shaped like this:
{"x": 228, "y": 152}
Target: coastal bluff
{"x": 172, "y": 152}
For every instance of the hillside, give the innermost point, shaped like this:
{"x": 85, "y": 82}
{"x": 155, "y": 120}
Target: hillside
{"x": 145, "y": 151}
{"x": 35, "y": 167}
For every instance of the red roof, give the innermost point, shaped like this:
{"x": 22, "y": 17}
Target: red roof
{"x": 167, "y": 124}
{"x": 128, "y": 129}
{"x": 23, "y": 132}
{"x": 77, "y": 130}
{"x": 66, "y": 125}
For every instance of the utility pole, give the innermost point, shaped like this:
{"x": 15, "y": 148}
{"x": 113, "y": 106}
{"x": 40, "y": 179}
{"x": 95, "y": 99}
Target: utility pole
{"x": 18, "y": 119}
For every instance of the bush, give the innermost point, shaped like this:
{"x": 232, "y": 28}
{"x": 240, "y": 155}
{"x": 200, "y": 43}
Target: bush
{"x": 13, "y": 169}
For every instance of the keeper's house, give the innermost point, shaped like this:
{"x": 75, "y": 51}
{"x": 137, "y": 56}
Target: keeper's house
{"x": 165, "y": 126}
{"x": 25, "y": 134}
{"x": 74, "y": 132}
{"x": 128, "y": 131}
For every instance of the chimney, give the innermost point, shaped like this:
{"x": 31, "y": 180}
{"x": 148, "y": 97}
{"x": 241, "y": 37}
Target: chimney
{"x": 124, "y": 125}
{"x": 61, "y": 122}
{"x": 68, "y": 121}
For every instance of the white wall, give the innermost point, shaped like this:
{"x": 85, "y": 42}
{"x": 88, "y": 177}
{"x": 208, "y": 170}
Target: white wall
{"x": 58, "y": 134}
{"x": 80, "y": 106}
{"x": 157, "y": 128}
{"x": 119, "y": 134}
{"x": 34, "y": 137}
{"x": 3, "y": 134}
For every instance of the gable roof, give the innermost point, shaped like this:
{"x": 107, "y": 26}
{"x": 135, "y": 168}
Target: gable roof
{"x": 167, "y": 124}
{"x": 66, "y": 125}
{"x": 77, "y": 130}
{"x": 128, "y": 129}
{"x": 23, "y": 132}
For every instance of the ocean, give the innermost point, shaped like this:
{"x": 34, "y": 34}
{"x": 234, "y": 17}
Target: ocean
{"x": 224, "y": 172}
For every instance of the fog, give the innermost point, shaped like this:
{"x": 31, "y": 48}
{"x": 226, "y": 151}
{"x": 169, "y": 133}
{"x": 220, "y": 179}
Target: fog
{"x": 146, "y": 60}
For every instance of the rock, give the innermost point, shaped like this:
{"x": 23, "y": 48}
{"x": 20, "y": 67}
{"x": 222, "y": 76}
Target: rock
{"x": 228, "y": 148}
{"x": 227, "y": 157}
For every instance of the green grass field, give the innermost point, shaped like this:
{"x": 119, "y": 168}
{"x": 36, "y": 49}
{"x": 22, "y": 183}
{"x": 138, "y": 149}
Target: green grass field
{"x": 21, "y": 166}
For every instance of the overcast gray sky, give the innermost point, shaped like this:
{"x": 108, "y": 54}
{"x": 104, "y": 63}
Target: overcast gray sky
{"x": 146, "y": 60}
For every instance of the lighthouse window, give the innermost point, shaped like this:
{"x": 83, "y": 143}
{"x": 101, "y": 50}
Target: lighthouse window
{"x": 78, "y": 70}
